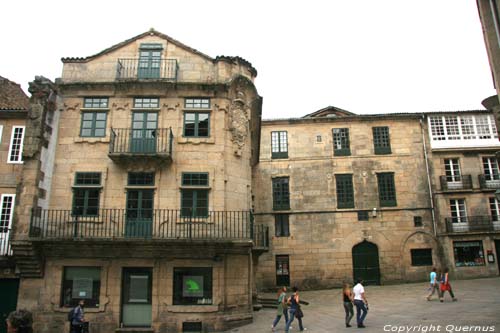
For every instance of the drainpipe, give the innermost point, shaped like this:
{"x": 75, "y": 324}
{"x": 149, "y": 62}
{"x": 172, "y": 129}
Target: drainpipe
{"x": 428, "y": 177}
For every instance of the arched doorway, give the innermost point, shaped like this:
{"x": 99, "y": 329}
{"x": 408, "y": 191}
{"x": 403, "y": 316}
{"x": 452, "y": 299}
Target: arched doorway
{"x": 365, "y": 263}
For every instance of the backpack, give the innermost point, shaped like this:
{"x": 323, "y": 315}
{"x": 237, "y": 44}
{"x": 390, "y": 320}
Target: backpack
{"x": 71, "y": 314}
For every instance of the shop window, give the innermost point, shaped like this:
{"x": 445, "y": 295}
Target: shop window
{"x": 468, "y": 253}
{"x": 81, "y": 283}
{"x": 192, "y": 286}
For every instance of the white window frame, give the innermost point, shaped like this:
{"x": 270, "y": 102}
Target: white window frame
{"x": 466, "y": 130}
{"x": 490, "y": 167}
{"x": 11, "y": 146}
{"x": 458, "y": 207}
{"x": 1, "y": 133}
{"x": 4, "y": 236}
{"x": 452, "y": 170}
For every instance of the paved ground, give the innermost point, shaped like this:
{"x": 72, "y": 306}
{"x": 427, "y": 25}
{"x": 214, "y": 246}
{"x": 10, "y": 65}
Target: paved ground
{"x": 398, "y": 307}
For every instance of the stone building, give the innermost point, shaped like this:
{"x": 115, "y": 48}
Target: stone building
{"x": 344, "y": 196}
{"x": 464, "y": 177}
{"x": 148, "y": 216}
{"x": 13, "y": 113}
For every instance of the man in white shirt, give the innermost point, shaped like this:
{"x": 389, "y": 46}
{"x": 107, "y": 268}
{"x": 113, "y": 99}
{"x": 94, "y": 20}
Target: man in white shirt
{"x": 360, "y": 302}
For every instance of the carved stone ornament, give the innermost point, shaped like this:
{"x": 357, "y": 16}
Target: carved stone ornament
{"x": 239, "y": 124}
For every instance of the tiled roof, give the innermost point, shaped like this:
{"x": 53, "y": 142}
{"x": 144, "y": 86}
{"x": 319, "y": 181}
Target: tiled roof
{"x": 12, "y": 97}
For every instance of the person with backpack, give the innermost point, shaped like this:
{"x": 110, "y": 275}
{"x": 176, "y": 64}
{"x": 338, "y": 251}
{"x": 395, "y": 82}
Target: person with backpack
{"x": 78, "y": 322}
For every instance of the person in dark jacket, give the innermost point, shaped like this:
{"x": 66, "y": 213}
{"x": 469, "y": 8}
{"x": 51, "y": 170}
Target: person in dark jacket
{"x": 20, "y": 321}
{"x": 79, "y": 324}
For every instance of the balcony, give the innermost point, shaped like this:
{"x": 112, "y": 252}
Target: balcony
{"x": 459, "y": 183}
{"x": 128, "y": 144}
{"x": 486, "y": 183}
{"x": 146, "y": 69}
{"x": 471, "y": 224}
{"x": 155, "y": 225}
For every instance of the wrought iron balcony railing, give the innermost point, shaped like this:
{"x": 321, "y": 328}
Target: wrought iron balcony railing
{"x": 146, "y": 69}
{"x": 5, "y": 249}
{"x": 463, "y": 182}
{"x": 486, "y": 182}
{"x": 158, "y": 224}
{"x": 471, "y": 224}
{"x": 144, "y": 142}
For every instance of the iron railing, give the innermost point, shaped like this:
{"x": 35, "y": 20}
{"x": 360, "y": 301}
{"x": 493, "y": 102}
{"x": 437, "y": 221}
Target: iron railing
{"x": 471, "y": 224}
{"x": 141, "y": 141}
{"x": 161, "y": 224}
{"x": 488, "y": 183}
{"x": 463, "y": 182}
{"x": 146, "y": 69}
{"x": 5, "y": 249}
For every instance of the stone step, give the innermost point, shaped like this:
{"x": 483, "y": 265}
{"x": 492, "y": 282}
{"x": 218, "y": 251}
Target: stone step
{"x": 134, "y": 330}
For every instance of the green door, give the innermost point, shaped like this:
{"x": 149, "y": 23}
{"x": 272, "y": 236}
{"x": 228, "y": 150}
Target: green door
{"x": 8, "y": 300}
{"x": 365, "y": 263}
{"x": 136, "y": 297}
{"x": 139, "y": 222}
{"x": 144, "y": 132}
{"x": 149, "y": 64}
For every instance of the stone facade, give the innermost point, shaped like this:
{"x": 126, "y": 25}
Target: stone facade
{"x": 464, "y": 178}
{"x": 322, "y": 235}
{"x": 152, "y": 218}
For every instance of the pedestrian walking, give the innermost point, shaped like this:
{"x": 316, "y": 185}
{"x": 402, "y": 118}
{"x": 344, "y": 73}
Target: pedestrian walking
{"x": 295, "y": 310}
{"x": 20, "y": 321}
{"x": 434, "y": 284}
{"x": 360, "y": 302}
{"x": 348, "y": 298}
{"x": 282, "y": 309}
{"x": 446, "y": 286}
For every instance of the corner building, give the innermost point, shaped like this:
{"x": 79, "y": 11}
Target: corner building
{"x": 148, "y": 218}
{"x": 344, "y": 196}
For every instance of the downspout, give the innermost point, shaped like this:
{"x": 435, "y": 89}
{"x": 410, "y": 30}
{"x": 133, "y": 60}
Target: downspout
{"x": 428, "y": 178}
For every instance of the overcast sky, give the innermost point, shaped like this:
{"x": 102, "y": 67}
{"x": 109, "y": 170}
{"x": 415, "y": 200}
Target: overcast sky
{"x": 364, "y": 56}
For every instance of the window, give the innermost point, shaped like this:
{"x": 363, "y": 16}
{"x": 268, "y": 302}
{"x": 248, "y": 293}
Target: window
{"x": 468, "y": 253}
{"x": 146, "y": 103}
{"x": 6, "y": 214}
{"x": 86, "y": 193}
{"x": 363, "y": 215}
{"x": 386, "y": 189}
{"x": 345, "y": 193}
{"x": 81, "y": 283}
{"x": 458, "y": 211}
{"x": 452, "y": 170}
{"x": 196, "y": 124}
{"x": 281, "y": 194}
{"x": 195, "y": 179}
{"x": 490, "y": 167}
{"x": 464, "y": 127}
{"x": 279, "y": 144}
{"x": 93, "y": 124}
{"x": 281, "y": 225}
{"x": 95, "y": 102}
{"x": 192, "y": 286}
{"x": 417, "y": 221}
{"x": 282, "y": 270}
{"x": 141, "y": 179}
{"x": 194, "y": 201}
{"x": 1, "y": 133}
{"x": 421, "y": 257}
{"x": 341, "y": 145}
{"x": 494, "y": 209}
{"x": 16, "y": 145}
{"x": 381, "y": 142}
{"x": 197, "y": 103}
